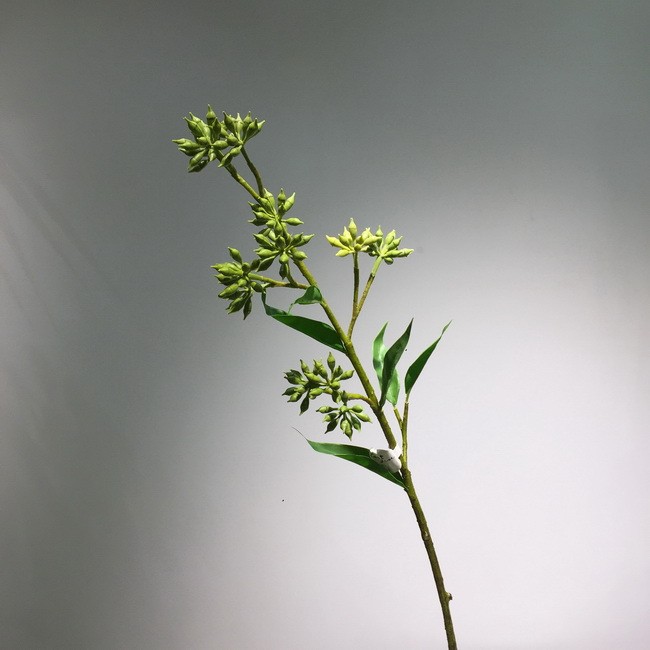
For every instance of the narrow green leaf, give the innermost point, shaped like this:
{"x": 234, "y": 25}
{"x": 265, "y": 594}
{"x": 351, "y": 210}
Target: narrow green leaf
{"x": 416, "y": 367}
{"x": 318, "y": 330}
{"x": 391, "y": 359}
{"x": 358, "y": 455}
{"x": 378, "y": 354}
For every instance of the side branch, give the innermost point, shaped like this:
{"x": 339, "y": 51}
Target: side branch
{"x": 354, "y": 359}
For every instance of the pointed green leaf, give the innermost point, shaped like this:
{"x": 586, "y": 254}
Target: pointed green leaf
{"x": 388, "y": 374}
{"x": 358, "y": 455}
{"x": 416, "y": 367}
{"x": 378, "y": 354}
{"x": 318, "y": 330}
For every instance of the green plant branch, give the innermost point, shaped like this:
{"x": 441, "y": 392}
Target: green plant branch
{"x": 354, "y": 359}
{"x": 251, "y": 166}
{"x": 443, "y": 595}
{"x": 400, "y": 423}
{"x": 292, "y": 281}
{"x": 358, "y": 304}
{"x": 371, "y": 279}
{"x": 355, "y": 293}
{"x": 361, "y": 397}
{"x": 277, "y": 283}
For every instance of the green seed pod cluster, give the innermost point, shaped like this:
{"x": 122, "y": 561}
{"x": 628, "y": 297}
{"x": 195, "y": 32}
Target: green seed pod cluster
{"x": 349, "y": 242}
{"x": 347, "y": 418}
{"x": 215, "y": 139}
{"x": 309, "y": 383}
{"x": 240, "y": 286}
{"x": 387, "y": 248}
{"x": 274, "y": 239}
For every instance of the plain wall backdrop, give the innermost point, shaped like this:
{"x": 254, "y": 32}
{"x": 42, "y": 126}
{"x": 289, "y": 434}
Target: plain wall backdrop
{"x": 153, "y": 493}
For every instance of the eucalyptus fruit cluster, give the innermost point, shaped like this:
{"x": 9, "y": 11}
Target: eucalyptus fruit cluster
{"x": 241, "y": 281}
{"x": 216, "y": 139}
{"x": 275, "y": 240}
{"x": 310, "y": 383}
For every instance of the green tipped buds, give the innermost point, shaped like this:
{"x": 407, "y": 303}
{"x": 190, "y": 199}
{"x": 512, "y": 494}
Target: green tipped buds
{"x": 235, "y": 254}
{"x": 240, "y": 281}
{"x": 387, "y": 248}
{"x": 211, "y": 137}
{"x": 350, "y": 242}
{"x": 320, "y": 379}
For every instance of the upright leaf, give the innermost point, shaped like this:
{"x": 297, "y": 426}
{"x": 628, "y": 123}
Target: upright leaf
{"x": 358, "y": 455}
{"x": 416, "y": 367}
{"x": 391, "y": 359}
{"x": 318, "y": 330}
{"x": 378, "y": 354}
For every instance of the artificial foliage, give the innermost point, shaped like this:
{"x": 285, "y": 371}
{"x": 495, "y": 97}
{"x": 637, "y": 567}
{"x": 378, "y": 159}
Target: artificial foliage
{"x": 280, "y": 263}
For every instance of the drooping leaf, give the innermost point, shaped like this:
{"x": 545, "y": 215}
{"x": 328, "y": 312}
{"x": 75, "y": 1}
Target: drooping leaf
{"x": 318, "y": 330}
{"x": 391, "y": 358}
{"x": 358, "y": 455}
{"x": 416, "y": 367}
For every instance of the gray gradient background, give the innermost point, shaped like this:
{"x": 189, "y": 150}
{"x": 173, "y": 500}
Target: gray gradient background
{"x": 153, "y": 493}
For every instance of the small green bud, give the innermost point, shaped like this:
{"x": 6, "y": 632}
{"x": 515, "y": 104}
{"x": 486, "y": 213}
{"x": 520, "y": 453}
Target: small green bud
{"x": 230, "y": 290}
{"x": 235, "y": 254}
{"x": 288, "y": 204}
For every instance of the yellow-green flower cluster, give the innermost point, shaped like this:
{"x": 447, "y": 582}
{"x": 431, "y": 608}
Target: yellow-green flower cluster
{"x": 386, "y": 248}
{"x": 349, "y": 242}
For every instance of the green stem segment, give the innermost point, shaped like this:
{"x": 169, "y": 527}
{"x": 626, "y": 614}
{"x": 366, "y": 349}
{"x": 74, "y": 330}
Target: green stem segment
{"x": 258, "y": 178}
{"x": 443, "y": 595}
{"x": 358, "y": 304}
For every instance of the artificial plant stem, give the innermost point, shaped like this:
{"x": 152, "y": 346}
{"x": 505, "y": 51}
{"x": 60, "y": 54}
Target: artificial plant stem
{"x": 230, "y": 168}
{"x": 371, "y": 278}
{"x": 443, "y": 595}
{"x": 355, "y": 294}
{"x": 258, "y": 178}
{"x": 359, "y": 396}
{"x": 276, "y": 283}
{"x": 403, "y": 426}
